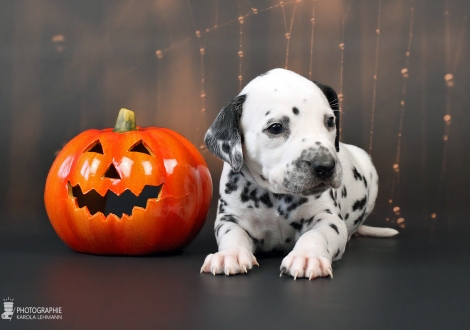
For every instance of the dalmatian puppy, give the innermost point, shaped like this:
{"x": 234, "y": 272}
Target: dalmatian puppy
{"x": 288, "y": 185}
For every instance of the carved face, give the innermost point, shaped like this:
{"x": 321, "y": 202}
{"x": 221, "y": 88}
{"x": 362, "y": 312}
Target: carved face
{"x": 137, "y": 192}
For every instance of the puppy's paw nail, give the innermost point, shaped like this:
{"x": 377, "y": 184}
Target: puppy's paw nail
{"x": 295, "y": 275}
{"x": 330, "y": 272}
{"x": 227, "y": 271}
{"x": 244, "y": 268}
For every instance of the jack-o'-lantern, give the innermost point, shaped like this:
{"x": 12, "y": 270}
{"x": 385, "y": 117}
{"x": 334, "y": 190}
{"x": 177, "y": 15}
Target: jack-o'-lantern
{"x": 128, "y": 190}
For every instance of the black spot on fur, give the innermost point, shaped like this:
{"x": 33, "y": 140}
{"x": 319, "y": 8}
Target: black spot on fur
{"x": 328, "y": 211}
{"x": 300, "y": 224}
{"x": 229, "y": 218}
{"x": 344, "y": 192}
{"x": 295, "y": 111}
{"x": 332, "y": 225}
{"x": 360, "y": 204}
{"x": 296, "y": 225}
{"x": 359, "y": 220}
{"x": 267, "y": 113}
{"x": 296, "y": 204}
{"x": 262, "y": 177}
{"x": 222, "y": 205}
{"x": 248, "y": 195}
{"x": 226, "y": 147}
{"x": 346, "y": 216}
{"x": 288, "y": 240}
{"x": 332, "y": 195}
{"x": 357, "y": 175}
{"x": 336, "y": 254}
{"x": 255, "y": 240}
{"x": 232, "y": 184}
{"x": 340, "y": 216}
{"x": 228, "y": 230}
{"x": 365, "y": 181}
{"x": 309, "y": 221}
{"x": 292, "y": 201}
{"x": 266, "y": 200}
{"x": 217, "y": 228}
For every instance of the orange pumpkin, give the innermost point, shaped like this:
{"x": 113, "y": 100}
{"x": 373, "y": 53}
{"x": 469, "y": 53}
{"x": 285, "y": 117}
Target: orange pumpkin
{"x": 128, "y": 190}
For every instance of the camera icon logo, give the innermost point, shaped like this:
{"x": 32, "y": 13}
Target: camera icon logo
{"x": 8, "y": 307}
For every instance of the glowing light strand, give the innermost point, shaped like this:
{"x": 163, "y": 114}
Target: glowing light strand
{"x": 241, "y": 20}
{"x": 202, "y": 51}
{"x": 405, "y": 75}
{"x": 374, "y": 91}
{"x": 451, "y": 68}
{"x": 311, "y": 41}
{"x": 288, "y": 31}
{"x": 341, "y": 47}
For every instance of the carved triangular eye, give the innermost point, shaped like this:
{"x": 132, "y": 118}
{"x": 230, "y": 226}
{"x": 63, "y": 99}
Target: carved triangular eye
{"x": 95, "y": 147}
{"x": 141, "y": 147}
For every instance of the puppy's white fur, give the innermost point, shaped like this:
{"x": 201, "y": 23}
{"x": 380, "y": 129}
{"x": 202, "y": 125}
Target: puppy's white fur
{"x": 275, "y": 194}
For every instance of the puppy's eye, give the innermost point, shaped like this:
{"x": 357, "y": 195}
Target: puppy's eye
{"x": 276, "y": 129}
{"x": 330, "y": 122}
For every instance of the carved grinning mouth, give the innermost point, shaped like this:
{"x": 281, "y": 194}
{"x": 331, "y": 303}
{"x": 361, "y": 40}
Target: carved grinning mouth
{"x": 112, "y": 203}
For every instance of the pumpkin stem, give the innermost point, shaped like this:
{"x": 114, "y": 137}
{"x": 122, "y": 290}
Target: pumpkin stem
{"x": 125, "y": 121}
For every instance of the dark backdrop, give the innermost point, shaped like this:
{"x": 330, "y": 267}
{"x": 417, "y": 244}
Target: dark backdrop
{"x": 400, "y": 66}
{"x": 67, "y": 66}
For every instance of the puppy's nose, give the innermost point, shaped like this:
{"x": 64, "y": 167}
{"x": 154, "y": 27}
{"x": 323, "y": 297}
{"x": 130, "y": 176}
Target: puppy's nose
{"x": 324, "y": 169}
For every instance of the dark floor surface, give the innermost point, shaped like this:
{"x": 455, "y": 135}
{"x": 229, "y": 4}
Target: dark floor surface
{"x": 417, "y": 280}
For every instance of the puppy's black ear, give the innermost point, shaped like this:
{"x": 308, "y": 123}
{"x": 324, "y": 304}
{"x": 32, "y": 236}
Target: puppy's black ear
{"x": 223, "y": 138}
{"x": 334, "y": 104}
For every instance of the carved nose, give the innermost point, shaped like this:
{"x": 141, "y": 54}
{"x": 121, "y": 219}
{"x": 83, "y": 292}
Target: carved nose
{"x": 112, "y": 173}
{"x": 324, "y": 170}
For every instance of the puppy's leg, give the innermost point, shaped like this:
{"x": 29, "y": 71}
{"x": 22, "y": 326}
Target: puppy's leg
{"x": 317, "y": 248}
{"x": 235, "y": 249}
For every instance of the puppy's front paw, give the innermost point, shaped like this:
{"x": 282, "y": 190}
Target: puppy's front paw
{"x": 306, "y": 264}
{"x": 229, "y": 262}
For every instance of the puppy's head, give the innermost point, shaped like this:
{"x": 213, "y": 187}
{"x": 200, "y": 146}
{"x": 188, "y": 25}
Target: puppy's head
{"x": 285, "y": 129}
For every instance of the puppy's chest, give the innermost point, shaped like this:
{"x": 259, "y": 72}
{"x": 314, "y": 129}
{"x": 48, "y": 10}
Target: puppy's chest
{"x": 273, "y": 221}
